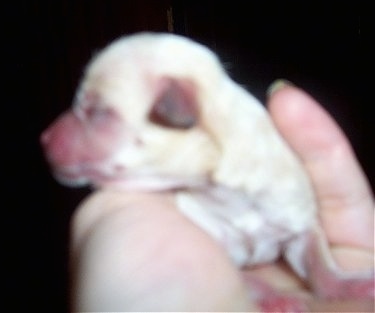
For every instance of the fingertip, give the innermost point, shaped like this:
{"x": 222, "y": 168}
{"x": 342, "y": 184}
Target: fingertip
{"x": 286, "y": 103}
{"x": 277, "y": 85}
{"x": 300, "y": 119}
{"x": 287, "y": 100}
{"x": 340, "y": 184}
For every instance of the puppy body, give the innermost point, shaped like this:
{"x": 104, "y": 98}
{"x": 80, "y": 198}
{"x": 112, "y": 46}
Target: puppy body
{"x": 157, "y": 112}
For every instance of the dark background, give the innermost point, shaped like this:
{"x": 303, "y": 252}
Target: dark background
{"x": 320, "y": 46}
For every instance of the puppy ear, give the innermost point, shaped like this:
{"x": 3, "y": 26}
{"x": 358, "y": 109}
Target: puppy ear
{"x": 176, "y": 105}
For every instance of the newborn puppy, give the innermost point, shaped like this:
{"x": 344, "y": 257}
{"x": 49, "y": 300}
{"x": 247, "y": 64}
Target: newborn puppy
{"x": 157, "y": 112}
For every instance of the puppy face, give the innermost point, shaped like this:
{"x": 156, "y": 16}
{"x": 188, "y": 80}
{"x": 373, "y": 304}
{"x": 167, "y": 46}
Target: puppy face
{"x": 138, "y": 118}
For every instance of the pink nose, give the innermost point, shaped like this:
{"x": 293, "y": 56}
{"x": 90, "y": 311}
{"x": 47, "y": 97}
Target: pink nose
{"x": 59, "y": 140}
{"x": 45, "y": 137}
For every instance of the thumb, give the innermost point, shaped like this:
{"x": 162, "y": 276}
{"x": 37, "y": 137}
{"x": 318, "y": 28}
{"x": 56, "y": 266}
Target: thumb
{"x": 343, "y": 193}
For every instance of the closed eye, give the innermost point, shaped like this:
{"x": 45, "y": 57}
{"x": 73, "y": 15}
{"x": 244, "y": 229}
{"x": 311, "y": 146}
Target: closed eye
{"x": 175, "y": 107}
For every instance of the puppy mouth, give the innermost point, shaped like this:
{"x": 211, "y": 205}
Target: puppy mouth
{"x": 80, "y": 176}
{"x": 76, "y": 176}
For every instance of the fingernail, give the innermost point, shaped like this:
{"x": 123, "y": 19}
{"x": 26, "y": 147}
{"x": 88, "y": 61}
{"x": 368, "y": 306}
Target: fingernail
{"x": 277, "y": 85}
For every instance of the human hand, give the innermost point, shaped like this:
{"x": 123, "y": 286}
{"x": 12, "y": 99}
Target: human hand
{"x": 135, "y": 252}
{"x": 345, "y": 200}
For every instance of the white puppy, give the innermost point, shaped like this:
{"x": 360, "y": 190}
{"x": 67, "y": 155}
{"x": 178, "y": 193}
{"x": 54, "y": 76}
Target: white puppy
{"x": 157, "y": 112}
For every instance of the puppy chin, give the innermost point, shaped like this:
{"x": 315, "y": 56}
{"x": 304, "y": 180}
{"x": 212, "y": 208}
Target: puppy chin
{"x": 148, "y": 183}
{"x": 70, "y": 180}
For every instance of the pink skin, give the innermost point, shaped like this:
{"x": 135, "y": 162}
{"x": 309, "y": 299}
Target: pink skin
{"x": 76, "y": 143}
{"x": 62, "y": 142}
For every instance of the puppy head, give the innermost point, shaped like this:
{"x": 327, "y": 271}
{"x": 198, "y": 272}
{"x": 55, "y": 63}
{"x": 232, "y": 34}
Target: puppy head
{"x": 140, "y": 117}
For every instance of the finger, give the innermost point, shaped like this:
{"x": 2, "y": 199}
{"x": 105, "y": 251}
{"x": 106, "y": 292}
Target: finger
{"x": 342, "y": 190}
{"x": 135, "y": 252}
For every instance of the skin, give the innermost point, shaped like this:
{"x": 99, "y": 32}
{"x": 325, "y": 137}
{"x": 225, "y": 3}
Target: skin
{"x": 135, "y": 252}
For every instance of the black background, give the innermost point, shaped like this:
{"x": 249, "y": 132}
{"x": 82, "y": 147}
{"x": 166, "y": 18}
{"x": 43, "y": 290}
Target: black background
{"x": 320, "y": 46}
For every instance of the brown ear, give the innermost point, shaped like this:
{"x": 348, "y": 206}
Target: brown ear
{"x": 176, "y": 106}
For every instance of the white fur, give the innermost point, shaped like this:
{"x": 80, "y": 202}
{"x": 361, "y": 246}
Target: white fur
{"x": 239, "y": 179}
